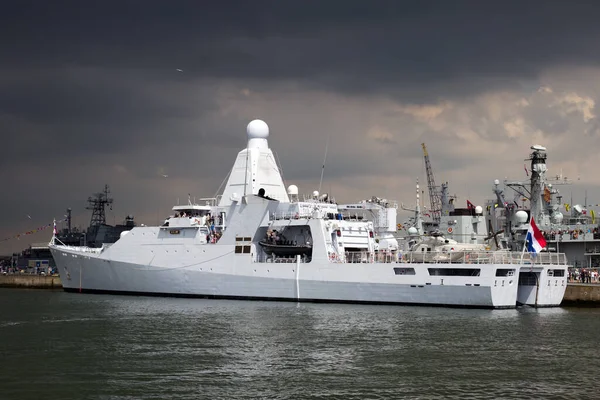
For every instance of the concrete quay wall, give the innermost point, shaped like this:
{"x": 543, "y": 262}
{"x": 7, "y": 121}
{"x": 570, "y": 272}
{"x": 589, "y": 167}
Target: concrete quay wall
{"x": 582, "y": 295}
{"x": 30, "y": 281}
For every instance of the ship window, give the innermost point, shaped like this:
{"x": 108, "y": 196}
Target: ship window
{"x": 242, "y": 249}
{"x": 505, "y": 272}
{"x": 239, "y": 239}
{"x": 404, "y": 271}
{"x": 454, "y": 271}
{"x": 247, "y": 239}
{"x": 174, "y": 232}
{"x": 557, "y": 272}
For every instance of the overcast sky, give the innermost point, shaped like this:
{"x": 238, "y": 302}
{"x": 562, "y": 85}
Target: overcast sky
{"x": 91, "y": 94}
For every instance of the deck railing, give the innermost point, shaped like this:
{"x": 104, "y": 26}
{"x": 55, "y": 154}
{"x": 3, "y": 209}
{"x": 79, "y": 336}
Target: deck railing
{"x": 455, "y": 257}
{"x": 84, "y": 249}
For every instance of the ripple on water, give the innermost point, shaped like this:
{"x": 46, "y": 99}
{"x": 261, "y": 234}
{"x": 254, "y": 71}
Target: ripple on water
{"x": 112, "y": 347}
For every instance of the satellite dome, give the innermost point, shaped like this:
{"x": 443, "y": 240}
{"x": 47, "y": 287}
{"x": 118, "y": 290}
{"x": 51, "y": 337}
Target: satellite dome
{"x": 557, "y": 217}
{"x": 521, "y": 216}
{"x": 412, "y": 231}
{"x": 292, "y": 190}
{"x": 316, "y": 194}
{"x": 478, "y": 210}
{"x": 257, "y": 129}
{"x": 538, "y": 147}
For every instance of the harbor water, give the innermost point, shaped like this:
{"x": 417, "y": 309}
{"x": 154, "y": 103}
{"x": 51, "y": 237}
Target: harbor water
{"x": 56, "y": 345}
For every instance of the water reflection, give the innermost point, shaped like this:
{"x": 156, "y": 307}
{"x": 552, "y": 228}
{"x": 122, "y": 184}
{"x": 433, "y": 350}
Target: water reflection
{"x": 111, "y": 347}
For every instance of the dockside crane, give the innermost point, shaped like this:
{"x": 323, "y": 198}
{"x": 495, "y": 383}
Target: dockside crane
{"x": 434, "y": 195}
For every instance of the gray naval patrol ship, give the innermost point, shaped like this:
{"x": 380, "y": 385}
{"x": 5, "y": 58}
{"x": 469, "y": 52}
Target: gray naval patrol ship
{"x": 576, "y": 233}
{"x": 259, "y": 240}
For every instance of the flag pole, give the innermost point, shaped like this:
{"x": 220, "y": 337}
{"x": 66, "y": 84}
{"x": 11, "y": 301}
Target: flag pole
{"x": 525, "y": 244}
{"x": 53, "y": 232}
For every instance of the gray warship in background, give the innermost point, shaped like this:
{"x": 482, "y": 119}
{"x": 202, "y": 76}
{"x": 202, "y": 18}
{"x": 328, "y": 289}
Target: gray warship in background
{"x": 577, "y": 234}
{"x": 37, "y": 257}
{"x": 503, "y": 223}
{"x": 443, "y": 220}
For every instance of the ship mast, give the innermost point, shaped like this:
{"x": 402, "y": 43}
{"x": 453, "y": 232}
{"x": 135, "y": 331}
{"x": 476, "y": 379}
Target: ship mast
{"x": 434, "y": 197}
{"x": 538, "y": 185}
{"x": 97, "y": 203}
{"x": 69, "y": 220}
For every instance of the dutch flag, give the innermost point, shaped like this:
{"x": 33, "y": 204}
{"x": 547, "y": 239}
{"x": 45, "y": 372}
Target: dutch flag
{"x": 535, "y": 239}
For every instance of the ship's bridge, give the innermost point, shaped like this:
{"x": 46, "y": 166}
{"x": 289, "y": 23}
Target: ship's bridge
{"x": 191, "y": 215}
{"x": 192, "y": 210}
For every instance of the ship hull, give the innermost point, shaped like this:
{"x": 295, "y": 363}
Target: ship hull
{"x": 237, "y": 277}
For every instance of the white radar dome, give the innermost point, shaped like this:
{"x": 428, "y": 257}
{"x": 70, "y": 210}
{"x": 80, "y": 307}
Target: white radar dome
{"x": 316, "y": 194}
{"x": 538, "y": 147}
{"x": 412, "y": 231}
{"x": 521, "y": 216}
{"x": 557, "y": 217}
{"x": 257, "y": 129}
{"x": 292, "y": 190}
{"x": 478, "y": 210}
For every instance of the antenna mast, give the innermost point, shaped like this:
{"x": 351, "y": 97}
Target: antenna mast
{"x": 324, "y": 159}
{"x": 69, "y": 220}
{"x": 434, "y": 196}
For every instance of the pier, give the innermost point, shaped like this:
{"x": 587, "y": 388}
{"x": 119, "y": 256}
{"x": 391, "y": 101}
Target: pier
{"x": 30, "y": 281}
{"x": 582, "y": 295}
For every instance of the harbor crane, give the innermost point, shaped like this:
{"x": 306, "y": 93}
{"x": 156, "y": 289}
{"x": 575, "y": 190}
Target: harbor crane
{"x": 434, "y": 196}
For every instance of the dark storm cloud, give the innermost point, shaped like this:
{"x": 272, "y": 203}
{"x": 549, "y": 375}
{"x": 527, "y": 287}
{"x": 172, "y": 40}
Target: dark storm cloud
{"x": 351, "y": 46}
{"x": 83, "y": 112}
{"x": 90, "y": 92}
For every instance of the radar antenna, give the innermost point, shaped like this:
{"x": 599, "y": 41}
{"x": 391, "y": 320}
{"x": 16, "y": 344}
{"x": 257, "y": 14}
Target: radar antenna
{"x": 97, "y": 203}
{"x": 434, "y": 196}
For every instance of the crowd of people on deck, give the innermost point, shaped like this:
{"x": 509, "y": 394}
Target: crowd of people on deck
{"x": 574, "y": 234}
{"x": 275, "y": 237}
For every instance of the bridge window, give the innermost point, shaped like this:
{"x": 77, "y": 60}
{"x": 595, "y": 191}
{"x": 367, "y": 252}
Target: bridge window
{"x": 505, "y": 272}
{"x": 454, "y": 271}
{"x": 404, "y": 271}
